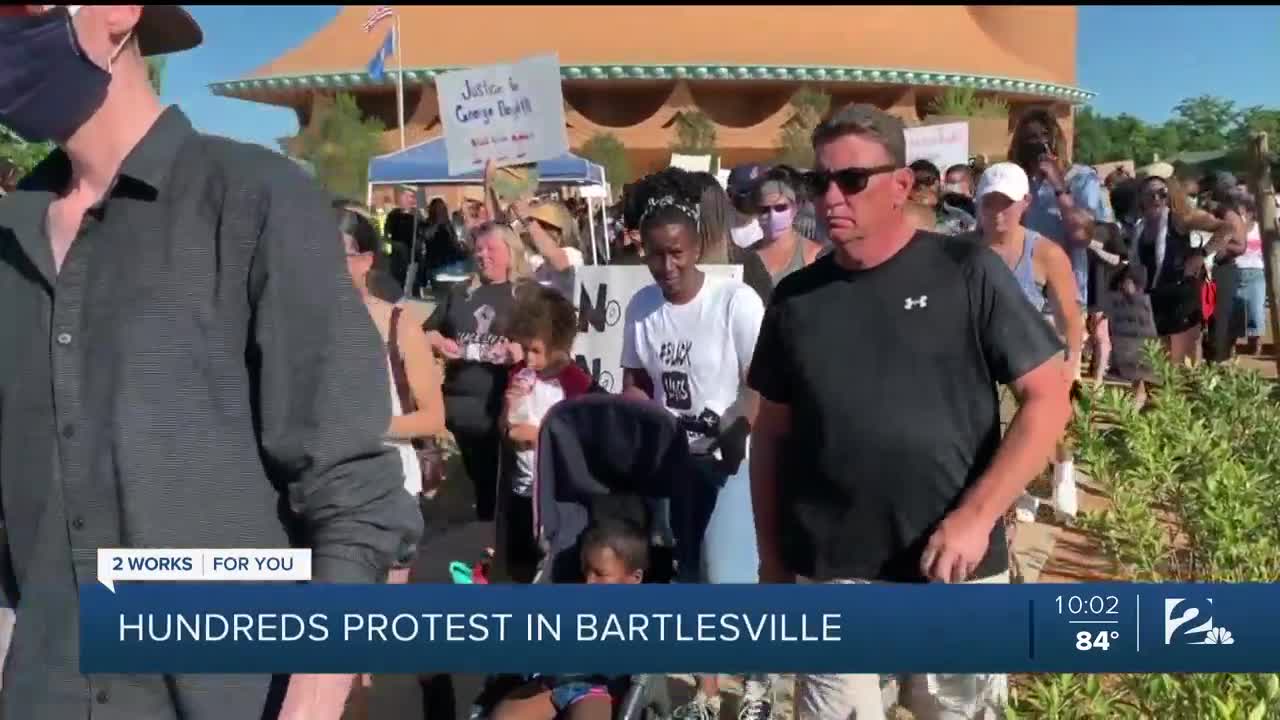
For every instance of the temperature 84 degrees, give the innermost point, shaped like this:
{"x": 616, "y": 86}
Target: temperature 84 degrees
{"x": 1087, "y": 640}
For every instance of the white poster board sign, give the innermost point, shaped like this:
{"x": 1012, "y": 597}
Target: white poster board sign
{"x": 943, "y": 145}
{"x": 601, "y": 293}
{"x": 1131, "y": 326}
{"x": 691, "y": 163}
{"x": 511, "y": 114}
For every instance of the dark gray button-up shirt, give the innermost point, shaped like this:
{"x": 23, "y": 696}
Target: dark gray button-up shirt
{"x": 199, "y": 373}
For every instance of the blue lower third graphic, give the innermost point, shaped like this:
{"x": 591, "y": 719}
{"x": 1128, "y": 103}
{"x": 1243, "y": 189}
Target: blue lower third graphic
{"x": 623, "y": 629}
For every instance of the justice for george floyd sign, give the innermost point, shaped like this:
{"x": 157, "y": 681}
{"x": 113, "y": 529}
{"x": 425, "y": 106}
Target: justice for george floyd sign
{"x": 511, "y": 114}
{"x": 602, "y": 293}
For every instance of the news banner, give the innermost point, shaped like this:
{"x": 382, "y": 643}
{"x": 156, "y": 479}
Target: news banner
{"x": 237, "y": 611}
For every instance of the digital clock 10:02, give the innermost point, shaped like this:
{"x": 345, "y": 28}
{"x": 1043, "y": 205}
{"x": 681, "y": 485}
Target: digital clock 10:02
{"x": 1088, "y": 605}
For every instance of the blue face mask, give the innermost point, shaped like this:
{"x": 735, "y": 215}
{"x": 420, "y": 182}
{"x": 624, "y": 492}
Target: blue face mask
{"x": 48, "y": 85}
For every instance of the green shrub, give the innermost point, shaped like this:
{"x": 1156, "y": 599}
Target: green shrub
{"x": 1193, "y": 481}
{"x": 964, "y": 102}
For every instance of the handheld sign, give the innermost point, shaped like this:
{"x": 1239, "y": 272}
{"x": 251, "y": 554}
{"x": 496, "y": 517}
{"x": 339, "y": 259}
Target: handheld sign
{"x": 943, "y": 145}
{"x": 202, "y": 565}
{"x": 511, "y": 114}
{"x": 1131, "y": 325}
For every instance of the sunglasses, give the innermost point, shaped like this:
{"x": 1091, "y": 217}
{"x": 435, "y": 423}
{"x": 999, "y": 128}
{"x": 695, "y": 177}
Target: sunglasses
{"x": 925, "y": 181}
{"x": 779, "y": 208}
{"x": 851, "y": 181}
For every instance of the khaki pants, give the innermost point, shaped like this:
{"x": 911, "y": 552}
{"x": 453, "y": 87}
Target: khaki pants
{"x": 928, "y": 697}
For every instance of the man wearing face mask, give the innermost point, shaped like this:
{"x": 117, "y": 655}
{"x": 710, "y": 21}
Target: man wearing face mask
{"x": 237, "y": 392}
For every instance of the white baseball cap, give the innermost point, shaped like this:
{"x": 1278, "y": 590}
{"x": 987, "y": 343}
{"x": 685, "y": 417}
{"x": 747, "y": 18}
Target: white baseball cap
{"x": 1005, "y": 178}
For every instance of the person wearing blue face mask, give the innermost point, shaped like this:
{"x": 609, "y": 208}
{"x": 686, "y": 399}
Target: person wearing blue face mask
{"x": 184, "y": 364}
{"x": 783, "y": 250}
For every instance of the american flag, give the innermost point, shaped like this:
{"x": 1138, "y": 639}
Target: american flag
{"x": 377, "y": 15}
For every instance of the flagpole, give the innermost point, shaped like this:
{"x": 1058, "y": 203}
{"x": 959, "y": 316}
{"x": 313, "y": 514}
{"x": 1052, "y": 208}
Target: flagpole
{"x": 399, "y": 80}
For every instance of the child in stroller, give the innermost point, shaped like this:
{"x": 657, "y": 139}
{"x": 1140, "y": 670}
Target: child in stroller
{"x": 614, "y": 551}
{"x": 601, "y": 461}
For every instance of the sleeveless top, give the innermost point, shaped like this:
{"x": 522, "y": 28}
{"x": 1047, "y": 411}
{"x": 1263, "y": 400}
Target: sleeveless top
{"x": 1025, "y": 273}
{"x": 404, "y": 449}
{"x": 796, "y": 262}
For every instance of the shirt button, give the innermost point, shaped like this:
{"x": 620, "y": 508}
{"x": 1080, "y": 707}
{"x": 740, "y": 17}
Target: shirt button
{"x": 64, "y": 338}
{"x": 68, "y": 431}
{"x": 77, "y": 523}
{"x": 103, "y": 697}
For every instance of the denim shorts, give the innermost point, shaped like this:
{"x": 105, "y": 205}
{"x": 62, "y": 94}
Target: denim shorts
{"x": 1251, "y": 291}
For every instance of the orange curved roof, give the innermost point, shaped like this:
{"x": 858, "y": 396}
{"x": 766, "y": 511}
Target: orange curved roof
{"x": 1033, "y": 43}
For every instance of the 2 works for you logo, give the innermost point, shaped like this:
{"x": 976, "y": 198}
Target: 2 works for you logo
{"x": 1180, "y": 619}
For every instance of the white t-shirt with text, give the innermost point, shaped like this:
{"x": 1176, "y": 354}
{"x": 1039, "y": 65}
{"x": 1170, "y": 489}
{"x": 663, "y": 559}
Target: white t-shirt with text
{"x": 697, "y": 353}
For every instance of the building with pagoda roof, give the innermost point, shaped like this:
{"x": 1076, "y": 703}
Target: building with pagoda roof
{"x": 636, "y": 71}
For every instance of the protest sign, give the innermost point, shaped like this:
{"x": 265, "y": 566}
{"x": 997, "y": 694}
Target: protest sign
{"x": 1131, "y": 325}
{"x": 691, "y": 163}
{"x": 602, "y": 293}
{"x": 943, "y": 145}
{"x": 511, "y": 114}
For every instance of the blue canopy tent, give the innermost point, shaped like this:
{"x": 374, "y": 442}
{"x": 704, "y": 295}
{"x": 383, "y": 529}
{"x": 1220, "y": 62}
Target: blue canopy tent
{"x": 427, "y": 163}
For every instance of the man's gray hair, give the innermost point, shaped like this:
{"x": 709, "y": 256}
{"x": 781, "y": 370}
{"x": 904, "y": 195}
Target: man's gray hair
{"x": 868, "y": 121}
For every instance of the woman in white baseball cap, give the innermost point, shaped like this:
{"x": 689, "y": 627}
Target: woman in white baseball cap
{"x": 1043, "y": 271}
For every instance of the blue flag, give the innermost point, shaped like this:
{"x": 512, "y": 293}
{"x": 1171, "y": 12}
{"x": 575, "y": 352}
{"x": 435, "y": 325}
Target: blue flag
{"x": 388, "y": 47}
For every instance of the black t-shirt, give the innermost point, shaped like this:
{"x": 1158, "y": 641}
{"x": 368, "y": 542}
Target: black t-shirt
{"x": 476, "y": 320}
{"x": 891, "y": 375}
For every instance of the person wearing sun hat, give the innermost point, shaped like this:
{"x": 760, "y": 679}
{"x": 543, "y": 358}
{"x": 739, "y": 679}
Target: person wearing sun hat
{"x": 152, "y": 400}
{"x": 553, "y": 239}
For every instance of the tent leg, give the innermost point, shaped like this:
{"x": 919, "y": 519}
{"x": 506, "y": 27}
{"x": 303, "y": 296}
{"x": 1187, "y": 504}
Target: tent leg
{"x": 591, "y": 224}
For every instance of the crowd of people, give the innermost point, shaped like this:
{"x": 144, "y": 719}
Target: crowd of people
{"x": 840, "y": 402}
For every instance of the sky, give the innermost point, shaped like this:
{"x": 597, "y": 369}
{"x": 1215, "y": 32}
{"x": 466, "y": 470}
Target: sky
{"x": 1139, "y": 60}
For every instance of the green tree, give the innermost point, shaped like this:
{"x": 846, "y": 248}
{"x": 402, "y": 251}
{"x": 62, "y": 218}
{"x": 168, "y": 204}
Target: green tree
{"x": 1257, "y": 119}
{"x": 808, "y": 107}
{"x": 1166, "y": 139}
{"x": 24, "y": 155}
{"x": 695, "y": 134}
{"x": 1209, "y": 122}
{"x": 155, "y": 72}
{"x": 607, "y": 151}
{"x": 1092, "y": 143}
{"x": 339, "y": 143}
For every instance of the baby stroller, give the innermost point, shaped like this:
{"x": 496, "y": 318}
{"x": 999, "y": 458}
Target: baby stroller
{"x": 604, "y": 456}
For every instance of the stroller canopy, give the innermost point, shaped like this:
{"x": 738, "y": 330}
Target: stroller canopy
{"x": 603, "y": 445}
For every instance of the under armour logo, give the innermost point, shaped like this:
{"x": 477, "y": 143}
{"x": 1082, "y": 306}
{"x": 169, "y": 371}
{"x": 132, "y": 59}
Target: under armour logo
{"x": 913, "y": 303}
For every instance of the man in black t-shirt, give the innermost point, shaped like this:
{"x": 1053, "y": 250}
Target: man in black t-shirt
{"x": 878, "y": 368}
